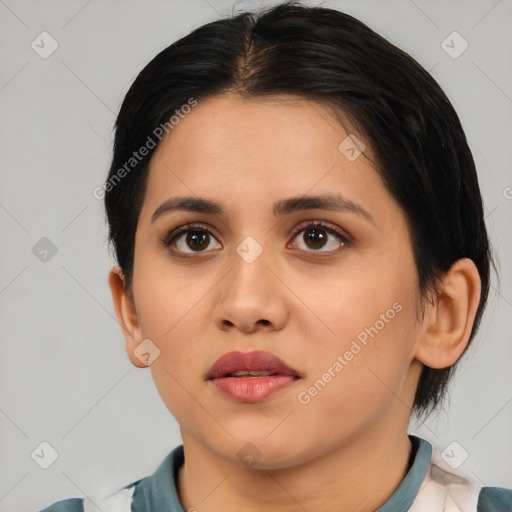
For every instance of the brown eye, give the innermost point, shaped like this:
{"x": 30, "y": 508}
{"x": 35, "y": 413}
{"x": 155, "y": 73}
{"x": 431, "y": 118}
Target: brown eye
{"x": 315, "y": 238}
{"x": 190, "y": 240}
{"x": 318, "y": 235}
{"x": 197, "y": 240}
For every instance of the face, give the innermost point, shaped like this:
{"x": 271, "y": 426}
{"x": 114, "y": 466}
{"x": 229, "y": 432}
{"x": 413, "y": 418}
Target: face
{"x": 337, "y": 302}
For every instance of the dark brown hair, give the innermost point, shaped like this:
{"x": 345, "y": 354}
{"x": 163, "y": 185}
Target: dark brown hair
{"x": 323, "y": 55}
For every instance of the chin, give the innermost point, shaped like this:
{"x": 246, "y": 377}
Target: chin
{"x": 253, "y": 451}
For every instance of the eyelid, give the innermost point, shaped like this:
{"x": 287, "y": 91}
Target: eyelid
{"x": 331, "y": 228}
{"x": 174, "y": 233}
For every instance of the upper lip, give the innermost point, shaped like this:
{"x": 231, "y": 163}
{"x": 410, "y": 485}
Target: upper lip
{"x": 255, "y": 360}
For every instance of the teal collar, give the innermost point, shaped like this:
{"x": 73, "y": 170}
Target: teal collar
{"x": 158, "y": 492}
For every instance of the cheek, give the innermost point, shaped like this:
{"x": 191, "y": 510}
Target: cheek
{"x": 170, "y": 316}
{"x": 174, "y": 312}
{"x": 353, "y": 384}
{"x": 165, "y": 296}
{"x": 368, "y": 336}
{"x": 349, "y": 307}
{"x": 178, "y": 371}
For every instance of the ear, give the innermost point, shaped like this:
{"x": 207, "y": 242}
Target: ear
{"x": 448, "y": 327}
{"x": 126, "y": 314}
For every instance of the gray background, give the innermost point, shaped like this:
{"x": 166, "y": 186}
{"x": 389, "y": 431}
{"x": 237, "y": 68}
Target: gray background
{"x": 65, "y": 378}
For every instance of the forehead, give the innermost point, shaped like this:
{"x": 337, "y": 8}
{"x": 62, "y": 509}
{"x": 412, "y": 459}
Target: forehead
{"x": 264, "y": 127}
{"x": 250, "y": 151}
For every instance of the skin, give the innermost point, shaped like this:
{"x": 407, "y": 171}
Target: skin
{"x": 304, "y": 305}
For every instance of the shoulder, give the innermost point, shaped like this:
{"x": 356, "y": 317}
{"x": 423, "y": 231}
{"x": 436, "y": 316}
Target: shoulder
{"x": 468, "y": 494}
{"x": 155, "y": 492}
{"x": 495, "y": 499}
{"x": 119, "y": 501}
{"x": 444, "y": 489}
{"x": 69, "y": 505}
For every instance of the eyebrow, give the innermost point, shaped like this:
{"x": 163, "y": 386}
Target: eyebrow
{"x": 333, "y": 202}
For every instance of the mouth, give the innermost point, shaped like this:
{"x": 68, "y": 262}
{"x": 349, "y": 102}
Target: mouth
{"x": 254, "y": 373}
{"x": 255, "y": 364}
{"x": 251, "y": 377}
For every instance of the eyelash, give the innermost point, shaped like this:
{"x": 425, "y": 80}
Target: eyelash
{"x": 168, "y": 240}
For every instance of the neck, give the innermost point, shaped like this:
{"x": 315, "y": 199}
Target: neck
{"x": 357, "y": 476}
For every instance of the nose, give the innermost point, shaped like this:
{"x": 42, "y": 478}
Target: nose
{"x": 251, "y": 298}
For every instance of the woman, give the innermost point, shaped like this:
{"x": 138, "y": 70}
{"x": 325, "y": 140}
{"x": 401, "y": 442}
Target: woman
{"x": 302, "y": 260}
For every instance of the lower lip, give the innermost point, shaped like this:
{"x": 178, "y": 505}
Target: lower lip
{"x": 252, "y": 389}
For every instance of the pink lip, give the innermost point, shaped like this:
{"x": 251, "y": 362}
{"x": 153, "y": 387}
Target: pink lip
{"x": 251, "y": 389}
{"x": 255, "y": 360}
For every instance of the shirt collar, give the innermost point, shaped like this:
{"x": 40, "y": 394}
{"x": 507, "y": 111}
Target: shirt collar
{"x": 158, "y": 492}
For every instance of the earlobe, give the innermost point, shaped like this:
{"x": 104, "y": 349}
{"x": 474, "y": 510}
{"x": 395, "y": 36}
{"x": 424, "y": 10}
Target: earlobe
{"x": 448, "y": 326}
{"x": 126, "y": 314}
